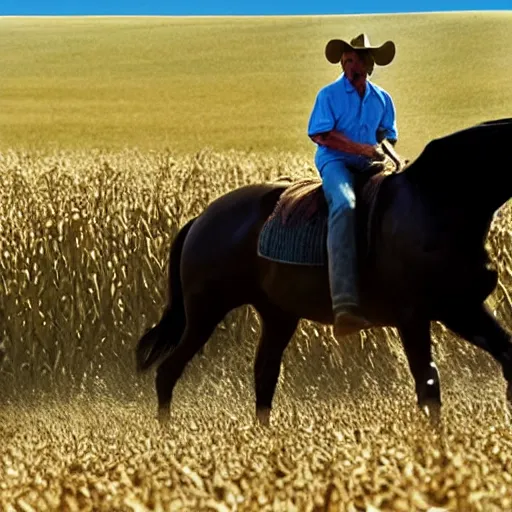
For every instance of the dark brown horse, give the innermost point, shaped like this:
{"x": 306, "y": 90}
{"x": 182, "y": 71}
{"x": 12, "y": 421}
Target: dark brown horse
{"x": 423, "y": 260}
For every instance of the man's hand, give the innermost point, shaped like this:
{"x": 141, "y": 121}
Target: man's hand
{"x": 373, "y": 152}
{"x": 337, "y": 140}
{"x": 379, "y": 155}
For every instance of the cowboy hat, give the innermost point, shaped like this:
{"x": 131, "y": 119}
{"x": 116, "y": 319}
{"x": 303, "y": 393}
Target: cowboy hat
{"x": 382, "y": 55}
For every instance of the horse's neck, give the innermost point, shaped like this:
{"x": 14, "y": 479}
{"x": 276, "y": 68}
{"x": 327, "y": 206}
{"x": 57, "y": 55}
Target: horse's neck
{"x": 456, "y": 212}
{"x": 450, "y": 184}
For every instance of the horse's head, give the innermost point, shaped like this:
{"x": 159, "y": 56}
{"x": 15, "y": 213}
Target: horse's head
{"x": 472, "y": 164}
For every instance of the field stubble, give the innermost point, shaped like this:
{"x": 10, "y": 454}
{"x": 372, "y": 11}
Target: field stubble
{"x": 84, "y": 247}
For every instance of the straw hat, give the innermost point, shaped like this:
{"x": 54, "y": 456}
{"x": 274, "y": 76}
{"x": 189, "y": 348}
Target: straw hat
{"x": 382, "y": 55}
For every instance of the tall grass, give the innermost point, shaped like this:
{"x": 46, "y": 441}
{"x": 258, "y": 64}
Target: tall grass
{"x": 84, "y": 245}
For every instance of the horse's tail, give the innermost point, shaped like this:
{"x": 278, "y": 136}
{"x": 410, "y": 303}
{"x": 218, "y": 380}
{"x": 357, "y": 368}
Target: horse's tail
{"x": 168, "y": 332}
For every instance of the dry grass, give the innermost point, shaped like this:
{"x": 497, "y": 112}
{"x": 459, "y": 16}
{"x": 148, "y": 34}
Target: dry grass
{"x": 373, "y": 456}
{"x": 237, "y": 82}
{"x": 83, "y": 249}
{"x": 84, "y": 246}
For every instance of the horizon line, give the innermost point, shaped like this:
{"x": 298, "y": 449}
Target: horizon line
{"x": 295, "y": 15}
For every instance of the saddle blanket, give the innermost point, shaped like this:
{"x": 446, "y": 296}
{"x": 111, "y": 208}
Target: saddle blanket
{"x": 303, "y": 243}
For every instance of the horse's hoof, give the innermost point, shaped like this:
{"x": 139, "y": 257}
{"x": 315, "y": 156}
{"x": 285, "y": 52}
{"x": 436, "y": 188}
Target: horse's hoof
{"x": 164, "y": 416}
{"x": 263, "y": 416}
{"x": 432, "y": 409}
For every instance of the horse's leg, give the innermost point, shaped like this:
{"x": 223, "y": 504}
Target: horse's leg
{"x": 203, "y": 315}
{"x": 477, "y": 325}
{"x": 276, "y": 331}
{"x": 417, "y": 343}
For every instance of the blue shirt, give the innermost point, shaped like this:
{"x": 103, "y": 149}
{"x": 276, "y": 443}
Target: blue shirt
{"x": 338, "y": 106}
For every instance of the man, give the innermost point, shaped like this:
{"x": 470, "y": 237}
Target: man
{"x": 350, "y": 116}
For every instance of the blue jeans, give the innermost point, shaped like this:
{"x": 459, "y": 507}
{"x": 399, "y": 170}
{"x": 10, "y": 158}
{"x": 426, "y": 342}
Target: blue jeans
{"x": 337, "y": 182}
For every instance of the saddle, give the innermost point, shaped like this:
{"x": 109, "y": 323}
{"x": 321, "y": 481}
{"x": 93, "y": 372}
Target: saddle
{"x": 296, "y": 230}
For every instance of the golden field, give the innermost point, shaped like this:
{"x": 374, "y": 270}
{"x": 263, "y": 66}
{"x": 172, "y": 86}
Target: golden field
{"x": 83, "y": 274}
{"x": 237, "y": 83}
{"x": 113, "y": 133}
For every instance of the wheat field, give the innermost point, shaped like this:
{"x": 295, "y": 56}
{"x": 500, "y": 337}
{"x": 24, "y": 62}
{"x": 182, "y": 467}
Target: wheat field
{"x": 83, "y": 276}
{"x": 91, "y": 196}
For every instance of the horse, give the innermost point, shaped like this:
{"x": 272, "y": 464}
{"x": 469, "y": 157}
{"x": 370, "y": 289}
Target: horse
{"x": 420, "y": 239}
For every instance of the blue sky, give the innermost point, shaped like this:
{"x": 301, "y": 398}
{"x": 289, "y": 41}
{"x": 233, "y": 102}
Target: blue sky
{"x": 240, "y": 7}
